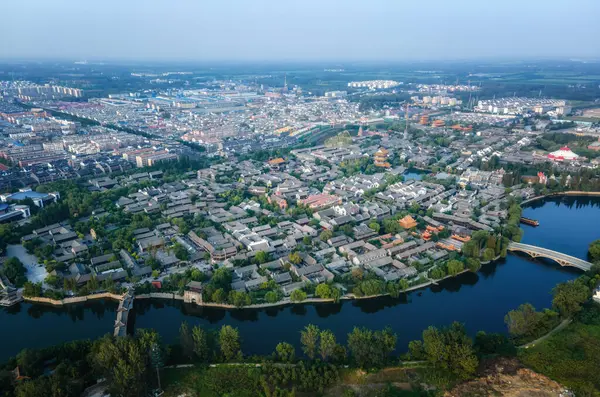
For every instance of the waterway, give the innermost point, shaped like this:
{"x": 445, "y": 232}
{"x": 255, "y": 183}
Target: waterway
{"x": 479, "y": 300}
{"x": 414, "y": 174}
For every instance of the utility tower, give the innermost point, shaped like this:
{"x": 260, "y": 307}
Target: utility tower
{"x": 406, "y": 123}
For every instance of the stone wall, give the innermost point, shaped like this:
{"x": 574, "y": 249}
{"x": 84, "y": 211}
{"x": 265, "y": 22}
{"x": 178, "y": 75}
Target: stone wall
{"x": 73, "y": 299}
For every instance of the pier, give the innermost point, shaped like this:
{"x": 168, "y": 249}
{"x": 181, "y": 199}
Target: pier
{"x": 559, "y": 257}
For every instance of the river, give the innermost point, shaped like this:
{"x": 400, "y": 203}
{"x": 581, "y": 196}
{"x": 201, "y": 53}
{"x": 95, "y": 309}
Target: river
{"x": 479, "y": 300}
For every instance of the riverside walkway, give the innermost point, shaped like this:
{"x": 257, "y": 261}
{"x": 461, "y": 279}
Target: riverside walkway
{"x": 559, "y": 257}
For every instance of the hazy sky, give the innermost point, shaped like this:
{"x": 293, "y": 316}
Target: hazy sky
{"x": 311, "y": 30}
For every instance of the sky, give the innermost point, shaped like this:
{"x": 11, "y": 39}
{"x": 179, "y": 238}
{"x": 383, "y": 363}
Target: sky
{"x": 294, "y": 30}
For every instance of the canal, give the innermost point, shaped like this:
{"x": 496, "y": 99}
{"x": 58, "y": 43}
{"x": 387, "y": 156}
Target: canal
{"x": 479, "y": 300}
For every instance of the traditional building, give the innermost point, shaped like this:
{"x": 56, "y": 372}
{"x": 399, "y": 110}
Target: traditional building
{"x": 407, "y": 222}
{"x": 193, "y": 292}
{"x": 381, "y": 157}
{"x": 563, "y": 154}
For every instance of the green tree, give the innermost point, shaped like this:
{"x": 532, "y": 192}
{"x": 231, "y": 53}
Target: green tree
{"x": 229, "y": 343}
{"x": 522, "y": 321}
{"x": 239, "y": 298}
{"x": 272, "y": 297}
{"x": 219, "y": 296}
{"x": 180, "y": 252}
{"x": 123, "y": 363}
{"x": 594, "y": 250}
{"x": 416, "y": 350}
{"x": 31, "y": 289}
{"x": 295, "y": 258}
{"x": 375, "y": 226}
{"x": 222, "y": 278}
{"x": 297, "y": 295}
{"x": 488, "y": 254}
{"x": 569, "y": 297}
{"x": 371, "y": 349}
{"x": 393, "y": 288}
{"x": 451, "y": 349}
{"x": 306, "y": 241}
{"x": 200, "y": 340}
{"x": 455, "y": 267}
{"x": 309, "y": 338}
{"x": 403, "y": 284}
{"x": 327, "y": 344}
{"x": 323, "y": 291}
{"x": 14, "y": 270}
{"x": 326, "y": 235}
{"x": 473, "y": 264}
{"x": 285, "y": 352}
{"x": 262, "y": 257}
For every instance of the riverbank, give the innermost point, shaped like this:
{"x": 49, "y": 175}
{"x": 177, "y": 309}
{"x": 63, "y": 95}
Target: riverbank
{"x": 177, "y": 297}
{"x": 559, "y": 194}
{"x": 73, "y": 300}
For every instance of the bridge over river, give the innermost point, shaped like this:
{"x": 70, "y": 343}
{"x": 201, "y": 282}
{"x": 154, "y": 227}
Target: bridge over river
{"x": 539, "y": 252}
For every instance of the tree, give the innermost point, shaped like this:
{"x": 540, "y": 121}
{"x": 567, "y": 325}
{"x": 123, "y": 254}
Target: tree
{"x": 180, "y": 252}
{"x": 451, "y": 349}
{"x": 285, "y": 352}
{"x": 323, "y": 291}
{"x": 261, "y": 257}
{"x": 403, "y": 284}
{"x": 123, "y": 362}
{"x": 295, "y": 258}
{"x": 239, "y": 298}
{"x": 393, "y": 289}
{"x": 309, "y": 338}
{"x": 375, "y": 226}
{"x": 186, "y": 340}
{"x": 493, "y": 344}
{"x": 219, "y": 296}
{"x": 200, "y": 341}
{"x": 229, "y": 343}
{"x": 473, "y": 264}
{"x": 488, "y": 254}
{"x": 391, "y": 226}
{"x": 306, "y": 241}
{"x": 31, "y": 289}
{"x": 522, "y": 321}
{"x": 371, "y": 349}
{"x": 327, "y": 344}
{"x": 297, "y": 295}
{"x": 569, "y": 297}
{"x": 326, "y": 235}
{"x": 272, "y": 296}
{"x": 222, "y": 278}
{"x": 455, "y": 267}
{"x": 14, "y": 270}
{"x": 416, "y": 350}
{"x": 594, "y": 250}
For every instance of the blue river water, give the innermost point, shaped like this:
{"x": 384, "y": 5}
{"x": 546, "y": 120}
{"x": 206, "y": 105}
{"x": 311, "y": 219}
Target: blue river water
{"x": 479, "y": 300}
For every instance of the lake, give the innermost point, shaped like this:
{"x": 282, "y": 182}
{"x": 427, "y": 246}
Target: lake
{"x": 478, "y": 300}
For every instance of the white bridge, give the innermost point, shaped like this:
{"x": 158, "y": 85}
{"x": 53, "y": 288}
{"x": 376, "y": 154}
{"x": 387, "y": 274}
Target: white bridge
{"x": 560, "y": 258}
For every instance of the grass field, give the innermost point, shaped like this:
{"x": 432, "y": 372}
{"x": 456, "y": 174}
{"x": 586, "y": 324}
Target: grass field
{"x": 571, "y": 356}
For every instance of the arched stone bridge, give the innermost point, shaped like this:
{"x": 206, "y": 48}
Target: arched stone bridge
{"x": 559, "y": 257}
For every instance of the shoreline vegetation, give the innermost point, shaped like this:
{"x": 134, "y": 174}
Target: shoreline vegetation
{"x": 174, "y": 296}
